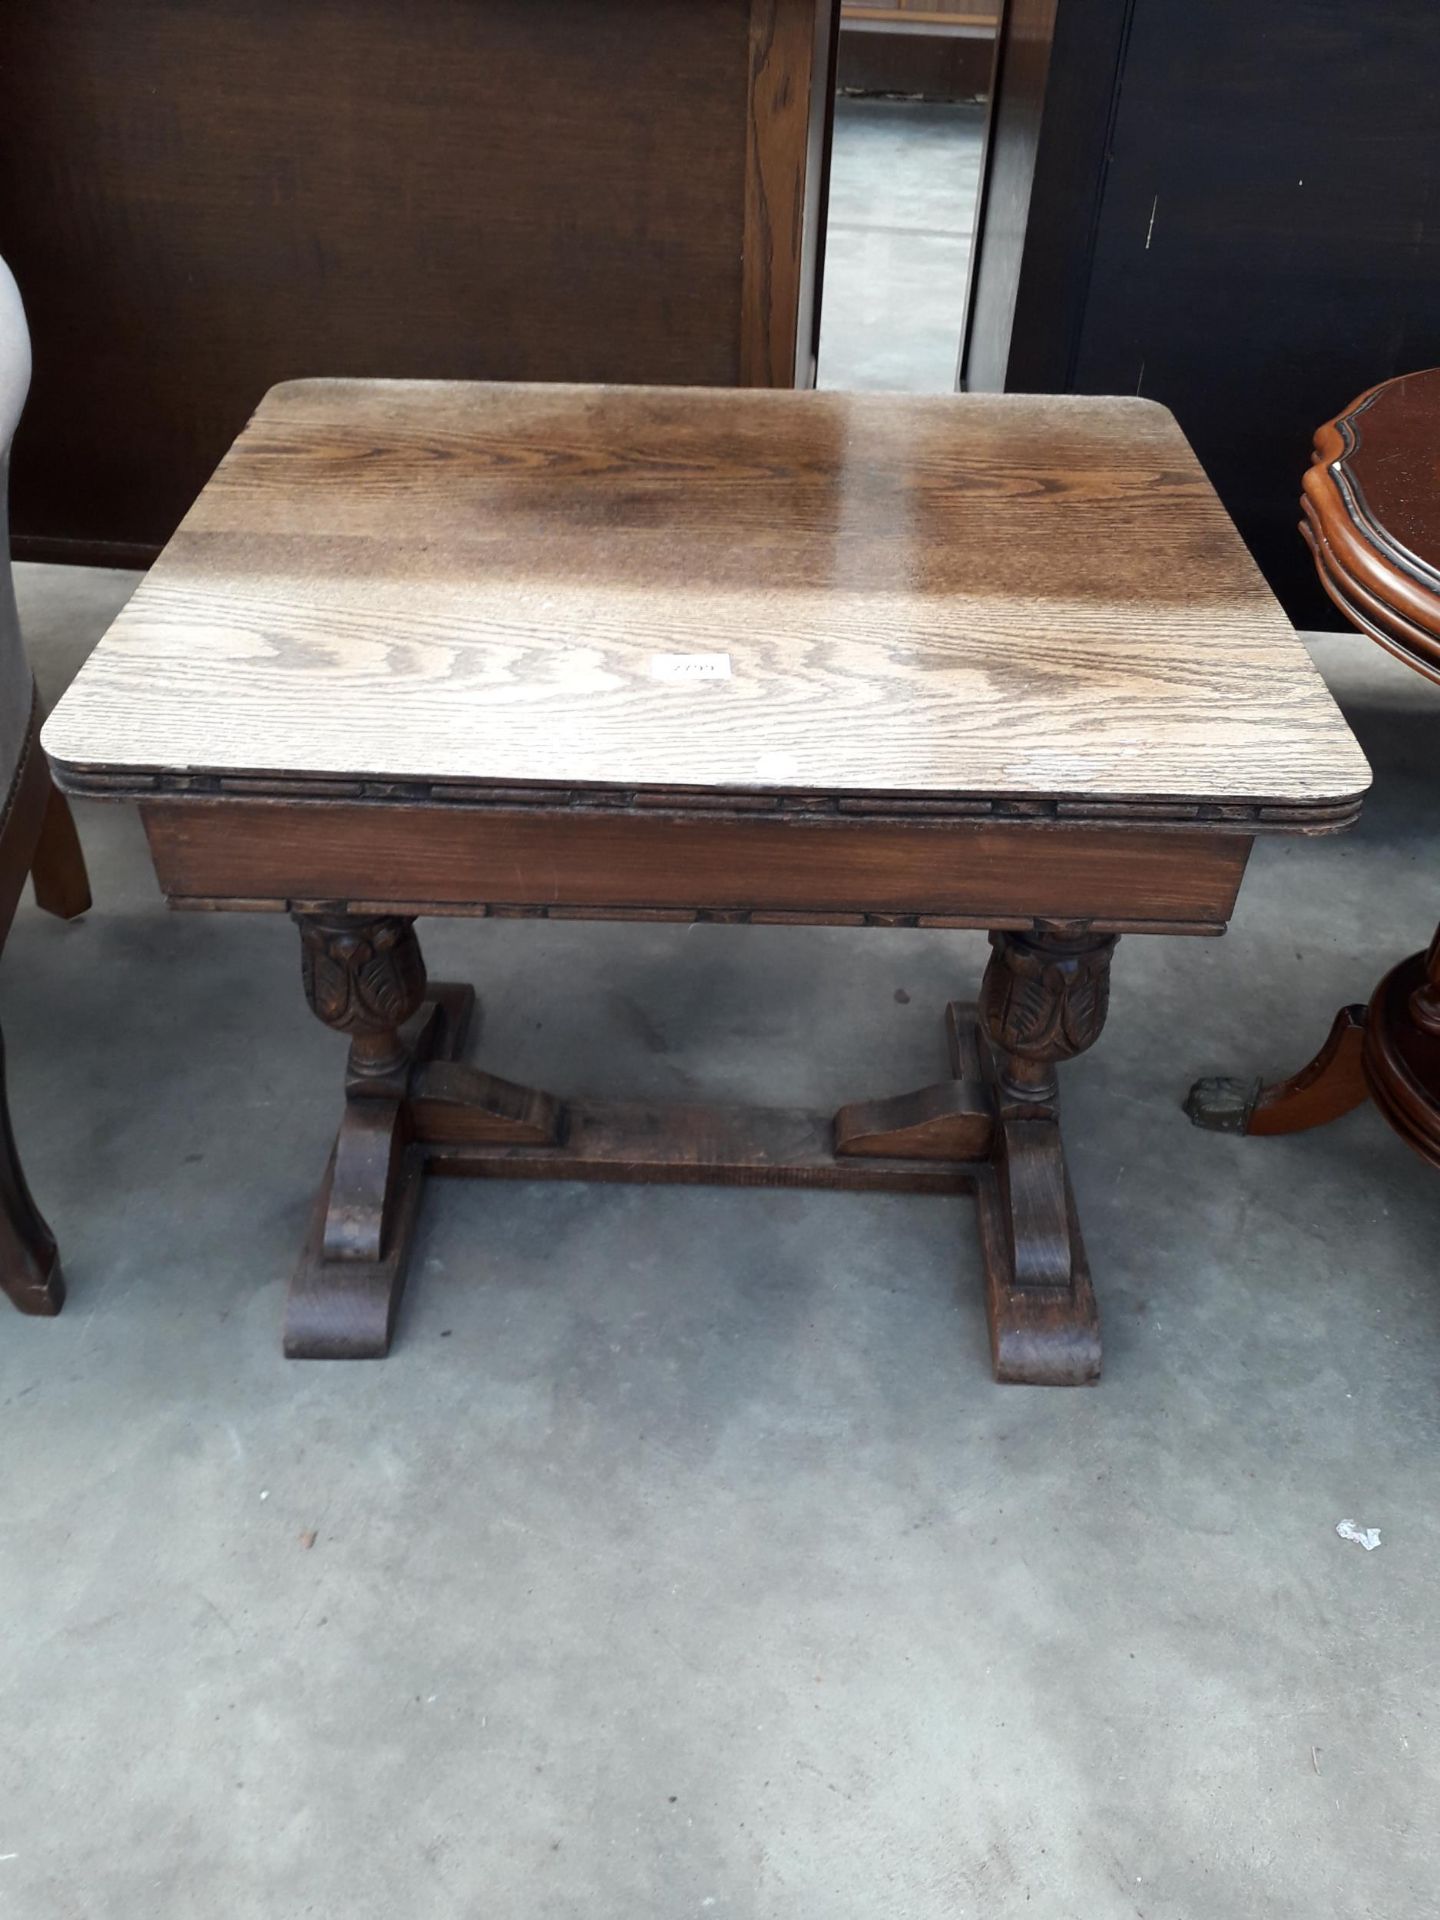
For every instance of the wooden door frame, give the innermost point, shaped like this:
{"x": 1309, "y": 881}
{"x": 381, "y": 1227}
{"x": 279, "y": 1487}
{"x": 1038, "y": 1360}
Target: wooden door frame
{"x": 1053, "y": 101}
{"x": 790, "y": 116}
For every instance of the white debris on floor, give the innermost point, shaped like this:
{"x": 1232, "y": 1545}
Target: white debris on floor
{"x": 1367, "y": 1537}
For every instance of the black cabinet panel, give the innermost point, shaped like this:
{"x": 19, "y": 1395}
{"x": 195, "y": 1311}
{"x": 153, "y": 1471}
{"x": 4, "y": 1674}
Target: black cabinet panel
{"x": 1261, "y": 239}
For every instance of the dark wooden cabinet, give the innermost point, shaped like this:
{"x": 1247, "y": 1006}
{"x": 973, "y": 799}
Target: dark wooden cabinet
{"x": 202, "y": 197}
{"x": 1228, "y": 208}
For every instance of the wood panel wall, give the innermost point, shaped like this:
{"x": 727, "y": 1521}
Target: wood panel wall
{"x": 203, "y": 197}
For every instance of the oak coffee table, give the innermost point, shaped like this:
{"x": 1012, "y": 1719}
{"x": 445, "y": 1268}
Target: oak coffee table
{"x": 680, "y": 654}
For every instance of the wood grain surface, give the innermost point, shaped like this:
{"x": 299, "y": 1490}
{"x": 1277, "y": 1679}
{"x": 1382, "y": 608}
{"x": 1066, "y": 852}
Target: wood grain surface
{"x": 985, "y": 596}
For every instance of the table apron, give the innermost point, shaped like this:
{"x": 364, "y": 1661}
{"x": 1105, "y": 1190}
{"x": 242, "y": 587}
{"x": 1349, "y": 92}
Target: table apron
{"x": 595, "y": 862}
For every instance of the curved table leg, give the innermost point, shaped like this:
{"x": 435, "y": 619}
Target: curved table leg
{"x": 1331, "y": 1084}
{"x": 29, "y": 1263}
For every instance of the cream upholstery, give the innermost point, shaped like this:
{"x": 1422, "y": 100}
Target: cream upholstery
{"x": 15, "y": 681}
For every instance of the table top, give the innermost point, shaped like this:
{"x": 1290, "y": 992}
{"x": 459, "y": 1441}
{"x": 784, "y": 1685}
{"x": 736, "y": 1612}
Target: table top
{"x": 1371, "y": 505}
{"x": 434, "y": 586}
{"x": 1389, "y": 470}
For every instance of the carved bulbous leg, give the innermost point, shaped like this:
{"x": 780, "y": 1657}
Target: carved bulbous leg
{"x": 364, "y": 977}
{"x": 1043, "y": 1000}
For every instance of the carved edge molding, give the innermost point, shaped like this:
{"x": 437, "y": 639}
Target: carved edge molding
{"x": 688, "y": 916}
{"x": 1249, "y": 816}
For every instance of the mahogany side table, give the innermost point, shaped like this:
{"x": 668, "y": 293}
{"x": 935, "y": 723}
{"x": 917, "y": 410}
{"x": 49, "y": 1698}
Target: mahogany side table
{"x": 686, "y": 654}
{"x": 1371, "y": 505}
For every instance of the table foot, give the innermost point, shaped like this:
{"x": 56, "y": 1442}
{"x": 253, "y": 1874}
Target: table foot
{"x": 1331, "y": 1084}
{"x": 344, "y": 1309}
{"x": 1043, "y": 1332}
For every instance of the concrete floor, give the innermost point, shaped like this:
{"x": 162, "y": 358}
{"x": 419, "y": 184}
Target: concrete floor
{"x": 902, "y": 210}
{"x": 683, "y": 1558}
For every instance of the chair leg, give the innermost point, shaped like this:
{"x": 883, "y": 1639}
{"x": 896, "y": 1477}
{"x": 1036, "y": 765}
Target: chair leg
{"x": 29, "y": 1261}
{"x": 62, "y": 886}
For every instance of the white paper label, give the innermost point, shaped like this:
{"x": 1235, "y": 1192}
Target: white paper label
{"x": 777, "y": 766}
{"x": 689, "y": 666}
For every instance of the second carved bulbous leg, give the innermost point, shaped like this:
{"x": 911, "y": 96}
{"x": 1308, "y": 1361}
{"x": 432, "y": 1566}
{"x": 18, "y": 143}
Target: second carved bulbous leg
{"x": 1043, "y": 1001}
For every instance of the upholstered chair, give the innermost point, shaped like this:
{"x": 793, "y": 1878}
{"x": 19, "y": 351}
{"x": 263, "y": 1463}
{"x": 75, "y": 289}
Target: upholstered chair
{"x": 37, "y": 838}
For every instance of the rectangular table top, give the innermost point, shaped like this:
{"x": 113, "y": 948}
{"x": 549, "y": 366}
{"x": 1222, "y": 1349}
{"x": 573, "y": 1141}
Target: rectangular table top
{"x": 951, "y": 598}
